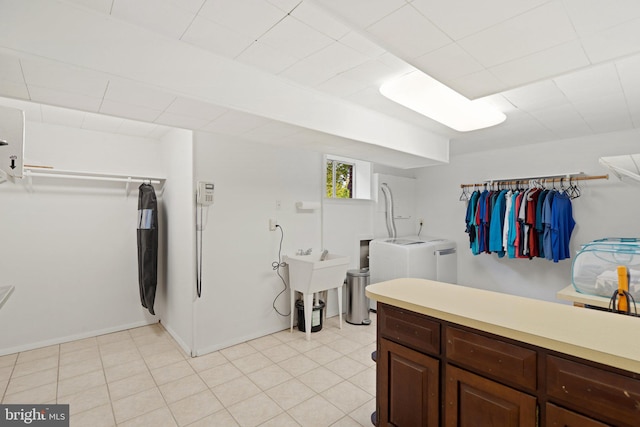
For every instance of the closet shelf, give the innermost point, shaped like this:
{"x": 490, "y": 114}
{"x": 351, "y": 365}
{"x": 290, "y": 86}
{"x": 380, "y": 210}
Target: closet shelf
{"x": 34, "y": 171}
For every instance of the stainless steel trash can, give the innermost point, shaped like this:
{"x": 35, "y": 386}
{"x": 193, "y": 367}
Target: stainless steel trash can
{"x": 357, "y": 301}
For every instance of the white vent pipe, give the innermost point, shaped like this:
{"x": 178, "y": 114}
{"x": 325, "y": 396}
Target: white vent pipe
{"x": 388, "y": 201}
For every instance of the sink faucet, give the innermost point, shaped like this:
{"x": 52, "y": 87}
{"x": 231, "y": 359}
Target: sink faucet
{"x": 303, "y": 252}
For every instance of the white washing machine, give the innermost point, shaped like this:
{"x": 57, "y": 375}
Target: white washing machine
{"x": 425, "y": 258}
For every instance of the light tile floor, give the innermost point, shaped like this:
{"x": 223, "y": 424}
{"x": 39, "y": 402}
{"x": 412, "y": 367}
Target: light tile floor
{"x": 140, "y": 377}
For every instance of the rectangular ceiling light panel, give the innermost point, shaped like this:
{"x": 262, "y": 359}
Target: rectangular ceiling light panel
{"x": 427, "y": 96}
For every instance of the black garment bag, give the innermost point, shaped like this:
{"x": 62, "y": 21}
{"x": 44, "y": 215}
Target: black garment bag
{"x": 147, "y": 245}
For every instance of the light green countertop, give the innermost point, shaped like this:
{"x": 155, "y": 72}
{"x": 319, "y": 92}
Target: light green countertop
{"x": 607, "y": 338}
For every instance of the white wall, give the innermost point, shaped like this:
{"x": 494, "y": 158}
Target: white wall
{"x": 178, "y": 246}
{"x": 239, "y": 284}
{"x": 69, "y": 247}
{"x": 403, "y": 191}
{"x": 606, "y": 208}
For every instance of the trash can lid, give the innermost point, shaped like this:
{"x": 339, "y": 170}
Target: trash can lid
{"x": 358, "y": 273}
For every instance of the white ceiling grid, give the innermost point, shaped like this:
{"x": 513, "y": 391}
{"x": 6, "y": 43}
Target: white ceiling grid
{"x": 557, "y": 68}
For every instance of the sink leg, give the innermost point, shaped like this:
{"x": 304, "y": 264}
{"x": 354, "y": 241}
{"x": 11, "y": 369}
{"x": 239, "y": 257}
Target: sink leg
{"x": 293, "y": 297}
{"x": 339, "y": 289}
{"x": 308, "y": 309}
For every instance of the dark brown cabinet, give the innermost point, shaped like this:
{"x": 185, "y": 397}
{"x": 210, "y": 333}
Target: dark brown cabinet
{"x": 432, "y": 372}
{"x": 472, "y": 400}
{"x": 560, "y": 417}
{"x": 409, "y": 384}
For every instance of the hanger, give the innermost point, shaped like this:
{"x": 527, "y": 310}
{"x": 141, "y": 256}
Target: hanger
{"x": 464, "y": 196}
{"x": 574, "y": 188}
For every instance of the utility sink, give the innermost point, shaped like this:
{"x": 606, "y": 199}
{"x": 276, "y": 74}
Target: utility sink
{"x": 308, "y": 275}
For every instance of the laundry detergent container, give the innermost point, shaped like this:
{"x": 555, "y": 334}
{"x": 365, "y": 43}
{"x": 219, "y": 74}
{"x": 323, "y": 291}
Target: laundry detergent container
{"x": 594, "y": 268}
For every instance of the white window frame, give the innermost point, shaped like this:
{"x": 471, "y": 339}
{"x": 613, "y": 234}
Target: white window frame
{"x": 361, "y": 187}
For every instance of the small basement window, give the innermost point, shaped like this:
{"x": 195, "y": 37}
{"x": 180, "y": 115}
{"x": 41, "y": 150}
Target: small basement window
{"x": 347, "y": 178}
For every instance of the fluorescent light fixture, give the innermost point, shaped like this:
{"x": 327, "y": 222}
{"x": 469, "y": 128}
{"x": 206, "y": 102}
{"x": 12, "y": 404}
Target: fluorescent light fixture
{"x": 429, "y": 97}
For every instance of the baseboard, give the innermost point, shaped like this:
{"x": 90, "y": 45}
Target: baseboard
{"x": 74, "y": 337}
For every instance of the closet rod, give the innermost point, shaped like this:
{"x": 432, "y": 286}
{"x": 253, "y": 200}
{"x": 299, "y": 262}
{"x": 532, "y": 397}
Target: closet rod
{"x": 58, "y": 173}
{"x": 552, "y": 178}
{"x": 43, "y": 171}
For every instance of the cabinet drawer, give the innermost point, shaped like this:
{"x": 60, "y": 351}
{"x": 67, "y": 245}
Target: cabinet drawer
{"x": 560, "y": 417}
{"x": 410, "y": 329}
{"x": 501, "y": 360}
{"x": 472, "y": 400}
{"x": 608, "y": 396}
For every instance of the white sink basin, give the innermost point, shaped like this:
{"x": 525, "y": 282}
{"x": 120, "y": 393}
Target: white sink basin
{"x": 307, "y": 274}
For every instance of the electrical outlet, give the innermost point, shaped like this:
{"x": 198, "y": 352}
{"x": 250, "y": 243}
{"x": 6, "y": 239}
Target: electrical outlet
{"x": 272, "y": 224}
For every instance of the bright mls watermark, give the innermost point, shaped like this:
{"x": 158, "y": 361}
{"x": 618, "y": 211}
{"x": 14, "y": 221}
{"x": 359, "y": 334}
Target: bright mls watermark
{"x": 34, "y": 415}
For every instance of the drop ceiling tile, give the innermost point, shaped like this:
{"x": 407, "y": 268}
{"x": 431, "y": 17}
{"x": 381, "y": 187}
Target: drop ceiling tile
{"x": 10, "y": 69}
{"x": 628, "y": 71}
{"x": 235, "y": 123}
{"x": 538, "y": 29}
{"x": 64, "y": 99}
{"x": 181, "y": 121}
{"x": 450, "y": 62}
{"x": 324, "y": 64}
{"x": 102, "y": 123}
{"x": 461, "y": 18}
{"x": 13, "y": 90}
{"x": 195, "y": 108}
{"x": 62, "y": 77}
{"x": 561, "y": 118}
{"x": 361, "y": 12}
{"x": 499, "y": 102}
{"x": 550, "y": 62}
{"x": 610, "y": 105}
{"x": 62, "y": 116}
{"x": 408, "y": 34}
{"x": 102, "y": 6}
{"x": 371, "y": 72}
{"x": 592, "y": 84}
{"x": 476, "y": 85}
{"x": 135, "y": 112}
{"x": 361, "y": 44}
{"x": 285, "y": 5}
{"x": 266, "y": 58}
{"x": 161, "y": 16}
{"x": 536, "y": 96}
{"x": 138, "y": 95}
{"x": 590, "y": 16}
{"x": 251, "y": 18}
{"x": 295, "y": 38}
{"x": 615, "y": 42}
{"x": 188, "y": 5}
{"x": 609, "y": 122}
{"x": 320, "y": 20}
{"x": 400, "y": 66}
{"x": 216, "y": 38}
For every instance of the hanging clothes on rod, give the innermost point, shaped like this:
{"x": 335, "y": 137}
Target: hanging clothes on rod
{"x": 522, "y": 219}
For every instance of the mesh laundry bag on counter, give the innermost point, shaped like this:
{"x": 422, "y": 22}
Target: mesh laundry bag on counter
{"x": 594, "y": 268}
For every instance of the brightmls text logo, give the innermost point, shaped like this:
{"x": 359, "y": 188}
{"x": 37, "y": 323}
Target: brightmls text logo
{"x": 34, "y": 415}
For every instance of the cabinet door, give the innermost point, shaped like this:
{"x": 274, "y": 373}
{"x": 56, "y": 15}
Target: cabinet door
{"x": 475, "y": 401}
{"x": 408, "y": 383}
{"x": 560, "y": 417}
